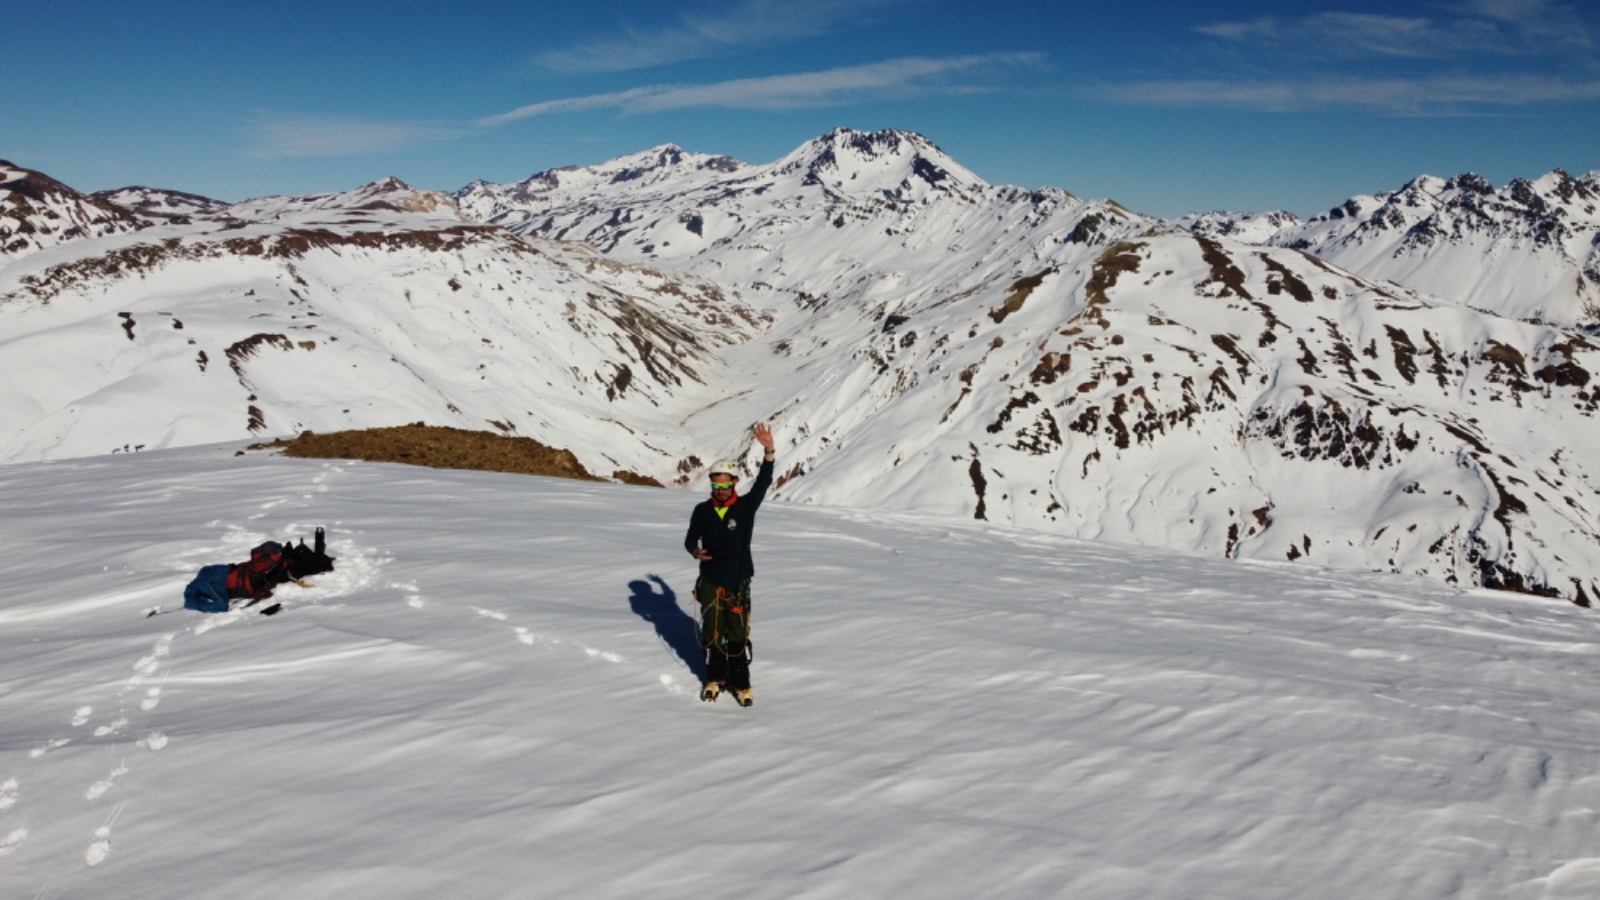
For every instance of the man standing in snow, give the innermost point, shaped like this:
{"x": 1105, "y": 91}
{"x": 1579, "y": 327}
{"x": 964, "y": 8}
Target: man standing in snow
{"x": 719, "y": 536}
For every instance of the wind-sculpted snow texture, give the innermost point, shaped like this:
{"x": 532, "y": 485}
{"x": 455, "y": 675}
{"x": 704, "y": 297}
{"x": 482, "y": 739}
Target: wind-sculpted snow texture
{"x": 1530, "y": 250}
{"x": 923, "y": 341}
{"x": 494, "y": 695}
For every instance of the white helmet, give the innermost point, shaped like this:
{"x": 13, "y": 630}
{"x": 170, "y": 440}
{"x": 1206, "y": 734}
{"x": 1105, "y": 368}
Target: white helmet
{"x": 723, "y": 467}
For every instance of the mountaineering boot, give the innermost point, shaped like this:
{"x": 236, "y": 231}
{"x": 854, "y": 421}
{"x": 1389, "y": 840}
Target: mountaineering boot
{"x": 710, "y": 691}
{"x": 747, "y": 697}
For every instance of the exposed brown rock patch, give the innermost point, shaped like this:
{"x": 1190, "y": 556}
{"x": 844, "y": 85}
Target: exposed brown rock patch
{"x": 441, "y": 447}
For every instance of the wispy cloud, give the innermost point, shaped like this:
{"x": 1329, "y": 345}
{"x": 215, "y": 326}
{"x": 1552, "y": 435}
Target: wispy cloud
{"x": 1362, "y": 34}
{"x": 1392, "y": 96}
{"x": 910, "y": 76}
{"x": 274, "y": 136}
{"x": 746, "y": 26}
{"x": 280, "y": 136}
{"x": 1495, "y": 28}
{"x": 1473, "y": 57}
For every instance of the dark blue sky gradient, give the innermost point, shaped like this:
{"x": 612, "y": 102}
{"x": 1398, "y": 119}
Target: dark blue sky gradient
{"x": 1165, "y": 107}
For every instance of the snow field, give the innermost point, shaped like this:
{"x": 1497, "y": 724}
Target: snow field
{"x": 494, "y": 695}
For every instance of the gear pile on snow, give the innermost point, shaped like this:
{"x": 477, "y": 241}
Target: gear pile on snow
{"x": 216, "y": 586}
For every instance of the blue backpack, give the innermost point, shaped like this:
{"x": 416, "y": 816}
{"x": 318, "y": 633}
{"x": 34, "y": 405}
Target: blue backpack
{"x": 208, "y": 592}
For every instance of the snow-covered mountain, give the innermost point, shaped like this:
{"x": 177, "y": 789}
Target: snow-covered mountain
{"x": 665, "y": 169}
{"x": 389, "y": 194}
{"x": 1032, "y": 358}
{"x": 848, "y": 219}
{"x": 315, "y": 315}
{"x": 37, "y": 211}
{"x": 1247, "y": 228}
{"x": 155, "y": 203}
{"x": 923, "y": 341}
{"x": 1529, "y": 250}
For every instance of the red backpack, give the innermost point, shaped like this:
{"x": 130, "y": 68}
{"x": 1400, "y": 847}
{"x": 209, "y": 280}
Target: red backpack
{"x": 264, "y": 571}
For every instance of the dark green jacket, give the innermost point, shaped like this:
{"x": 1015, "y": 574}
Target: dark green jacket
{"x": 727, "y": 537}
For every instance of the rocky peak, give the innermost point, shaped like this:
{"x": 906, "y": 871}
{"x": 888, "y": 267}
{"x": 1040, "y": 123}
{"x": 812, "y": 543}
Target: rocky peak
{"x": 1579, "y": 195}
{"x": 1419, "y": 190}
{"x": 1251, "y": 228}
{"x": 392, "y": 193}
{"x": 648, "y": 167}
{"x": 37, "y": 211}
{"x": 855, "y": 161}
{"x": 1470, "y": 183}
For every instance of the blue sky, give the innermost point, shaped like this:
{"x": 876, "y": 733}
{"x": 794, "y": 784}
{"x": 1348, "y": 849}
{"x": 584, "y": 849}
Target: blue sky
{"x": 1164, "y": 106}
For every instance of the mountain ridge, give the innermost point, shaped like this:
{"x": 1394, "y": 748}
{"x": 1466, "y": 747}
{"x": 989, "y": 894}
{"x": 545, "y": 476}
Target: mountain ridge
{"x": 1434, "y": 234}
{"x": 925, "y": 341}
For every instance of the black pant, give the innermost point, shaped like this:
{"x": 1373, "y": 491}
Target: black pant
{"x": 724, "y": 632}
{"x": 731, "y": 668}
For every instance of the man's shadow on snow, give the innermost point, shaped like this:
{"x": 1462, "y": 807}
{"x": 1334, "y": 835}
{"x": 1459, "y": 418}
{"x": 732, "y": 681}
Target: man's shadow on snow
{"x": 675, "y": 627}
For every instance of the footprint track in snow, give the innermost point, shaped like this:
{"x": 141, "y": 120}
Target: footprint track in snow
{"x": 217, "y": 620}
{"x": 100, "y": 848}
{"x": 99, "y": 788}
{"x": 530, "y": 637}
{"x": 10, "y": 841}
{"x": 37, "y": 752}
{"x": 10, "y": 789}
{"x": 111, "y": 727}
{"x": 151, "y": 662}
{"x": 606, "y": 655}
{"x": 415, "y": 600}
{"x": 148, "y": 664}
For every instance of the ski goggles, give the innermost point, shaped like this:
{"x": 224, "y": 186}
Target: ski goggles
{"x": 721, "y": 485}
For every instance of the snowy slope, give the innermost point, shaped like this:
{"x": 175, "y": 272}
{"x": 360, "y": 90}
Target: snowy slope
{"x": 1529, "y": 250}
{"x": 1181, "y": 393}
{"x": 489, "y": 698}
{"x": 321, "y": 316}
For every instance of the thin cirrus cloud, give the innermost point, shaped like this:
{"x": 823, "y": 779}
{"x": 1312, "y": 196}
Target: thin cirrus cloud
{"x": 909, "y": 76}
{"x": 280, "y": 137}
{"x": 748, "y": 25}
{"x": 273, "y": 136}
{"x": 1362, "y": 34}
{"x": 1541, "y": 54}
{"x": 1394, "y": 96}
{"x": 1481, "y": 28}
